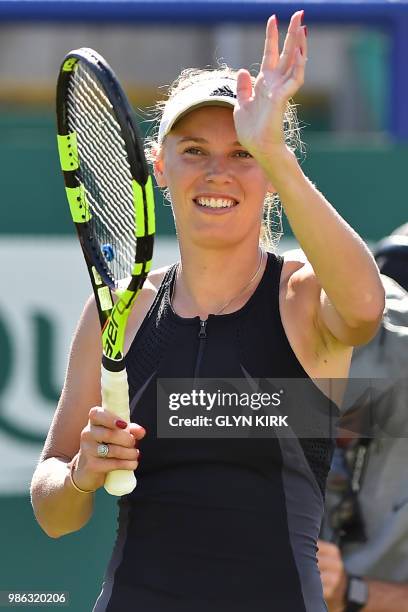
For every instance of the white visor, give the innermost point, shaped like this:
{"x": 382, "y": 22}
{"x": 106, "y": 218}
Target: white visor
{"x": 217, "y": 91}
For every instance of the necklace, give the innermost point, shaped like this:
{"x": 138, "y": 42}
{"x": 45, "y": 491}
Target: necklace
{"x": 237, "y": 295}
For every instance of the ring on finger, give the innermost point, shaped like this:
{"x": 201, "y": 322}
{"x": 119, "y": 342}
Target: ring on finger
{"x": 102, "y": 450}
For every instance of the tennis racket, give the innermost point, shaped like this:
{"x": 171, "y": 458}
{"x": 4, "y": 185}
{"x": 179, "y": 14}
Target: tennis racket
{"x": 110, "y": 196}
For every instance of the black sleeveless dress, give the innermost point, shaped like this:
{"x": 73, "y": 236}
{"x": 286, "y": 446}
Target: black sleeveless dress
{"x": 218, "y": 525}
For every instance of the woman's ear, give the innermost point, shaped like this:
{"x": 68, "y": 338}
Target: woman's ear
{"x": 158, "y": 168}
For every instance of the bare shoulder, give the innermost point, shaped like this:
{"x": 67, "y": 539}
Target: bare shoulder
{"x": 155, "y": 278}
{"x": 299, "y": 288}
{"x": 88, "y": 330}
{"x": 298, "y": 275}
{"x": 294, "y": 256}
{"x": 144, "y": 302}
{"x": 89, "y": 327}
{"x": 320, "y": 354}
{"x": 152, "y": 285}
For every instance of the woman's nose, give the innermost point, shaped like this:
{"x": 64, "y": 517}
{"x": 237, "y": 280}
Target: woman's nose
{"x": 218, "y": 170}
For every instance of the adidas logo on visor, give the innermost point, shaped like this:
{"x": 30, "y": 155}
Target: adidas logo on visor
{"x": 223, "y": 91}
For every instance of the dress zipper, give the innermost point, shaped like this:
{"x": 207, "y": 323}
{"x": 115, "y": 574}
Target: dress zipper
{"x": 202, "y": 336}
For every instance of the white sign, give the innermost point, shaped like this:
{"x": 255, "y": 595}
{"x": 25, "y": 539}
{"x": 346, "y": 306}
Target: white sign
{"x": 46, "y": 286}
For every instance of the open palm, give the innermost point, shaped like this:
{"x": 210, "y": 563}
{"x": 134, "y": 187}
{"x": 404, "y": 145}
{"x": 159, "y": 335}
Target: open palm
{"x": 260, "y": 111}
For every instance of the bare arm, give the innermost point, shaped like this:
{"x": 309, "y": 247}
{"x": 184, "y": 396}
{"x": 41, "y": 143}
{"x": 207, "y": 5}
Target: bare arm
{"x": 58, "y": 507}
{"x": 51, "y": 490}
{"x": 77, "y": 427}
{"x": 350, "y": 300}
{"x": 342, "y": 281}
{"x": 382, "y": 596}
{"x": 386, "y": 597}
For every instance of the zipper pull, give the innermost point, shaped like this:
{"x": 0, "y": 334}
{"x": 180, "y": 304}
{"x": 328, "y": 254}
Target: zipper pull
{"x": 202, "y": 334}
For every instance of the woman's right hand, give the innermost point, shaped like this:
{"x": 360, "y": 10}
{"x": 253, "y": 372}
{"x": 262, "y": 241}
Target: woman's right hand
{"x": 122, "y": 438}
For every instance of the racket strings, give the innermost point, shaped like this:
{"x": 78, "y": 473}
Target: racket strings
{"x": 106, "y": 225}
{"x": 104, "y": 172}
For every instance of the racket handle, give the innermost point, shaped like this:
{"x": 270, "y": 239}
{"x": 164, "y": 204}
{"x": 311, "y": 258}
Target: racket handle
{"x": 115, "y": 398}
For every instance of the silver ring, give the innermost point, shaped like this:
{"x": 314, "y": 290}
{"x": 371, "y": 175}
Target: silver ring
{"x": 102, "y": 450}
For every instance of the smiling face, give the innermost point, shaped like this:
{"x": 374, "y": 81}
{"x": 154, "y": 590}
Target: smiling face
{"x": 217, "y": 189}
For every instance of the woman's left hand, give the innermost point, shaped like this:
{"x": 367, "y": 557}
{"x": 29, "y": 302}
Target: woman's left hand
{"x": 260, "y": 111}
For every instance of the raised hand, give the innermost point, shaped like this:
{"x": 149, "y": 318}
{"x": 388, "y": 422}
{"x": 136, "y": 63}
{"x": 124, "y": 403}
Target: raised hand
{"x": 260, "y": 111}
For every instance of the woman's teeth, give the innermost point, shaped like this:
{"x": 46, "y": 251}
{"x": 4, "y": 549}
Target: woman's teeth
{"x": 216, "y": 202}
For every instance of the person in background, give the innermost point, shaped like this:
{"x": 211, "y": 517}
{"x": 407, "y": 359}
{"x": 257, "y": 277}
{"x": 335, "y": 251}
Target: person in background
{"x": 363, "y": 553}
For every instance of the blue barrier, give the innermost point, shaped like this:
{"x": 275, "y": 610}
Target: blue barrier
{"x": 203, "y": 11}
{"x": 389, "y": 15}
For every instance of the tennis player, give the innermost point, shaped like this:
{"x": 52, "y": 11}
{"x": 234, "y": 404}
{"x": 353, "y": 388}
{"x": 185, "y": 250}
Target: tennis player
{"x": 219, "y": 525}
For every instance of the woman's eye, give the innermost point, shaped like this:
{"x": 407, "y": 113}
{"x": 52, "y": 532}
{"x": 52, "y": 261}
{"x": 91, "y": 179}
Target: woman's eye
{"x": 243, "y": 154}
{"x": 193, "y": 151}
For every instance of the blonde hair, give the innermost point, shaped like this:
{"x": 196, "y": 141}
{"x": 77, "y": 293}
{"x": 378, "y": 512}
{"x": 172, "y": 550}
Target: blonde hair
{"x": 271, "y": 228}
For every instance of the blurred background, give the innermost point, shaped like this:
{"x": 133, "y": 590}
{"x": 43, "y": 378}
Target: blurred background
{"x": 352, "y": 110}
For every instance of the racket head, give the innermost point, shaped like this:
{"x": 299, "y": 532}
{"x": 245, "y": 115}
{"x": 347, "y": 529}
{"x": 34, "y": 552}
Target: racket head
{"x": 105, "y": 171}
{"x": 109, "y": 190}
